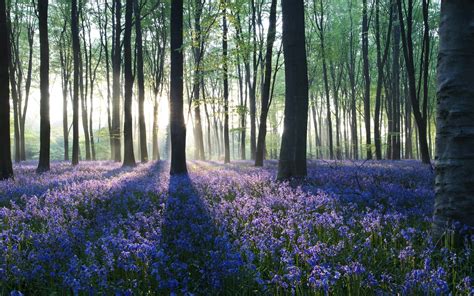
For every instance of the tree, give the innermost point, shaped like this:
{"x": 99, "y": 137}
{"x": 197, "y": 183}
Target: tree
{"x": 394, "y": 138}
{"x": 352, "y": 79}
{"x": 156, "y": 53}
{"x": 6, "y": 169}
{"x": 320, "y": 25}
{"x": 226, "y": 83}
{"x": 365, "y": 58}
{"x": 252, "y": 82}
{"x": 381, "y": 60}
{"x": 266, "y": 87}
{"x": 84, "y": 81}
{"x": 116, "y": 63}
{"x": 15, "y": 85}
{"x": 293, "y": 144}
{"x": 65, "y": 61}
{"x": 76, "y": 48}
{"x": 129, "y": 157}
{"x": 198, "y": 53}
{"x": 419, "y": 112}
{"x": 28, "y": 78}
{"x": 45, "y": 127}
{"x": 140, "y": 81}
{"x": 177, "y": 126}
{"x": 454, "y": 184}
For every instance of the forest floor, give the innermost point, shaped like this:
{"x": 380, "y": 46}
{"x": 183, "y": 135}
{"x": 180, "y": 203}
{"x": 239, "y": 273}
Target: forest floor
{"x": 349, "y": 228}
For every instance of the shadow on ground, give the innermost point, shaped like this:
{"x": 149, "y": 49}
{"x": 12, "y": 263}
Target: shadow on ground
{"x": 203, "y": 259}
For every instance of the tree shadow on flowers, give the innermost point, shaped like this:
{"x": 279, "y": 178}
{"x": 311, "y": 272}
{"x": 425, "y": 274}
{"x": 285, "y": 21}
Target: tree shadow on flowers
{"x": 198, "y": 256}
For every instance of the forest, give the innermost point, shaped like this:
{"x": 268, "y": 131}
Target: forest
{"x": 228, "y": 147}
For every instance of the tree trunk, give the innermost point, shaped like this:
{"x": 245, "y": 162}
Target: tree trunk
{"x": 64, "y": 83}
{"x": 31, "y": 33}
{"x": 13, "y": 67}
{"x": 6, "y": 169}
{"x": 352, "y": 75}
{"x": 252, "y": 85}
{"x": 84, "y": 86}
{"x": 128, "y": 156}
{"x": 76, "y": 48}
{"x": 156, "y": 149}
{"x": 140, "y": 82}
{"x": 266, "y": 87}
{"x": 45, "y": 127}
{"x": 408, "y": 125}
{"x": 454, "y": 184}
{"x": 198, "y": 52}
{"x": 381, "y": 60}
{"x": 293, "y": 145}
{"x": 177, "y": 126}
{"x": 365, "y": 58}
{"x": 407, "y": 42}
{"x": 395, "y": 137}
{"x": 336, "y": 79}
{"x": 116, "y": 88}
{"x": 226, "y": 84}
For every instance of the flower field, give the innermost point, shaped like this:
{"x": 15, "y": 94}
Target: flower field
{"x": 350, "y": 228}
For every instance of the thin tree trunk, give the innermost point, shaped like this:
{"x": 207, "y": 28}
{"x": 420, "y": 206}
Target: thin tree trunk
{"x": 407, "y": 42}
{"x": 128, "y": 156}
{"x": 27, "y": 91}
{"x": 395, "y": 137}
{"x": 84, "y": 87}
{"x": 352, "y": 74}
{"x": 266, "y": 86}
{"x": 45, "y": 127}
{"x": 226, "y": 84}
{"x": 116, "y": 63}
{"x": 76, "y": 47}
{"x": 381, "y": 59}
{"x": 365, "y": 58}
{"x": 156, "y": 149}
{"x": 252, "y": 86}
{"x": 65, "y": 83}
{"x": 140, "y": 82}
{"x": 198, "y": 52}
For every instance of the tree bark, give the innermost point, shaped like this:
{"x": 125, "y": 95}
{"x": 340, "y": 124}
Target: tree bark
{"x": 352, "y": 81}
{"x": 365, "y": 58}
{"x": 252, "y": 85}
{"x": 14, "y": 84}
{"x": 45, "y": 127}
{"x": 407, "y": 42}
{"x": 140, "y": 82}
{"x": 454, "y": 186}
{"x": 76, "y": 48}
{"x": 116, "y": 63}
{"x": 381, "y": 60}
{"x": 293, "y": 145}
{"x": 265, "y": 104}
{"x": 84, "y": 85}
{"x": 226, "y": 83}
{"x": 128, "y": 156}
{"x": 31, "y": 33}
{"x": 198, "y": 52}
{"x": 64, "y": 59}
{"x": 177, "y": 126}
{"x": 6, "y": 168}
{"x": 395, "y": 94}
